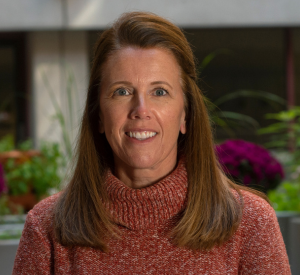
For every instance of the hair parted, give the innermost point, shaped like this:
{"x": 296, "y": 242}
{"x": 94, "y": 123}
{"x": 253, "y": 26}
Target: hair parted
{"x": 212, "y": 213}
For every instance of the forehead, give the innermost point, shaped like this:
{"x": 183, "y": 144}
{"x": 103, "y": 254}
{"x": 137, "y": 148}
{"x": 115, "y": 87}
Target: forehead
{"x": 133, "y": 60}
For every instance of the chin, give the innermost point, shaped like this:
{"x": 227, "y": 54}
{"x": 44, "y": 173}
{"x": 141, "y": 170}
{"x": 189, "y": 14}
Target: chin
{"x": 142, "y": 163}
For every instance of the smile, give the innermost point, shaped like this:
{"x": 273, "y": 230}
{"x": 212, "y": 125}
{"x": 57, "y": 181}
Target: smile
{"x": 141, "y": 135}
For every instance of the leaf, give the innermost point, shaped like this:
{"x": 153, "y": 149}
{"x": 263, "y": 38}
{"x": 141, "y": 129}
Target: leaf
{"x": 286, "y": 197}
{"x": 7, "y": 143}
{"x": 286, "y": 116}
{"x": 243, "y": 119}
{"x": 208, "y": 59}
{"x": 262, "y": 95}
{"x": 279, "y": 127}
{"x": 277, "y": 144}
{"x": 60, "y": 117}
{"x": 25, "y": 145}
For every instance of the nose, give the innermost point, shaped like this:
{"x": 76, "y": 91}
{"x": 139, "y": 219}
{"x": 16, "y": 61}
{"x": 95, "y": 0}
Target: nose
{"x": 140, "y": 108}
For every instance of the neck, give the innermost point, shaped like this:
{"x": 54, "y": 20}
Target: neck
{"x": 149, "y": 207}
{"x": 137, "y": 178}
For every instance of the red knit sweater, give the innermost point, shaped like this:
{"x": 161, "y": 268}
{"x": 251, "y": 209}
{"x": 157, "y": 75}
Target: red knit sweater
{"x": 144, "y": 217}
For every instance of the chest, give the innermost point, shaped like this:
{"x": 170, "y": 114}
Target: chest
{"x": 146, "y": 253}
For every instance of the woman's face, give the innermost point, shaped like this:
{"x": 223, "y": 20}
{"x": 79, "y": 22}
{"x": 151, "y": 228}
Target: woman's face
{"x": 142, "y": 107}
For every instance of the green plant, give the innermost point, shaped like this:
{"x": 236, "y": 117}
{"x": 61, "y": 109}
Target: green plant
{"x": 285, "y": 129}
{"x": 41, "y": 172}
{"x": 286, "y": 197}
{"x": 37, "y": 170}
{"x": 284, "y": 135}
{"x": 229, "y": 120}
{"x": 7, "y": 143}
{"x": 67, "y": 116}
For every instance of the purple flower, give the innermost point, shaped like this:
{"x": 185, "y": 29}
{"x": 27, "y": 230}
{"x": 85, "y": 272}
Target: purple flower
{"x": 250, "y": 163}
{"x": 247, "y": 180}
{"x": 3, "y": 187}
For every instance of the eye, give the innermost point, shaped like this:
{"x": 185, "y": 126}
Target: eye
{"x": 121, "y": 91}
{"x": 160, "y": 92}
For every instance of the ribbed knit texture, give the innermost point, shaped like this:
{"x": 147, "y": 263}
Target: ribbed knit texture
{"x": 145, "y": 218}
{"x": 149, "y": 207}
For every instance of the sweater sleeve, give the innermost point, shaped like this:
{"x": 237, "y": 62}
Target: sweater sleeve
{"x": 34, "y": 251}
{"x": 264, "y": 251}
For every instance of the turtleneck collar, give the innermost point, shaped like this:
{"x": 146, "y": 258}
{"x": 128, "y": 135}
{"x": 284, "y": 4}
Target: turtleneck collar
{"x": 148, "y": 207}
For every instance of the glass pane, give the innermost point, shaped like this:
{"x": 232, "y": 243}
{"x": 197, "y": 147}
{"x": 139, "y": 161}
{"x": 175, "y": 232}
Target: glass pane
{"x": 7, "y": 91}
{"x": 246, "y": 59}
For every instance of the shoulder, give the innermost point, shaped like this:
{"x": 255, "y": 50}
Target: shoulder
{"x": 261, "y": 246}
{"x": 41, "y": 216}
{"x": 255, "y": 205}
{"x": 257, "y": 212}
{"x": 46, "y": 206}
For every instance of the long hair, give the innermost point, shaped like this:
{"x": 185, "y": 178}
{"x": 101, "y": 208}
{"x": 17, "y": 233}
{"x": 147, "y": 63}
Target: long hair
{"x": 213, "y": 211}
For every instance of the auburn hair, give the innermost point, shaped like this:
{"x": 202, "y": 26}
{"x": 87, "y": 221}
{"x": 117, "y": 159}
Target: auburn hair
{"x": 213, "y": 211}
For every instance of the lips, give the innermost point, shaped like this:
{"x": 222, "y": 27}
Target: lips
{"x": 141, "y": 135}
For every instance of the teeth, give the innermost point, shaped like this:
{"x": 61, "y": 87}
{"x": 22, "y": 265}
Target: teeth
{"x": 141, "y": 135}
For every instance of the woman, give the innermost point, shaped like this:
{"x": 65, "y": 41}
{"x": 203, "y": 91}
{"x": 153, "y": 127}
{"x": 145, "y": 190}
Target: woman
{"x": 147, "y": 195}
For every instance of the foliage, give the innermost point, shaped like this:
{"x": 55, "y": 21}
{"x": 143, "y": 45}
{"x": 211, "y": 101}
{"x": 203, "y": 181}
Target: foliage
{"x": 40, "y": 172}
{"x": 65, "y": 115}
{"x": 284, "y": 134}
{"x": 7, "y": 143}
{"x": 286, "y": 197}
{"x": 229, "y": 120}
{"x": 250, "y": 164}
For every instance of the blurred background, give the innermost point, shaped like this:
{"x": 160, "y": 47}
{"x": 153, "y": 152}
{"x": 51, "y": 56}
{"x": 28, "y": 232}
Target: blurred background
{"x": 256, "y": 46}
{"x": 248, "y": 60}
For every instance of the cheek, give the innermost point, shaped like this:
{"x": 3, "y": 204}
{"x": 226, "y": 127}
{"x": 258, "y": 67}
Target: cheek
{"x": 174, "y": 120}
{"x": 112, "y": 121}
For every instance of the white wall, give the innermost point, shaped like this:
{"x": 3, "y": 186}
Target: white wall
{"x": 97, "y": 14}
{"x": 188, "y": 13}
{"x": 31, "y": 14}
{"x": 55, "y": 56}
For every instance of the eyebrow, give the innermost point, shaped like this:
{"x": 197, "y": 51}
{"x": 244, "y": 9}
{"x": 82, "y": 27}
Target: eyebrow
{"x": 152, "y": 83}
{"x": 120, "y": 82}
{"x": 161, "y": 82}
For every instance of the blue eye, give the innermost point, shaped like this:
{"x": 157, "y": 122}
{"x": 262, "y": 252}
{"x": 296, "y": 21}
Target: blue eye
{"x": 121, "y": 91}
{"x": 160, "y": 92}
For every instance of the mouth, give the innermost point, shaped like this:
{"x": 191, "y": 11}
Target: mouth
{"x": 141, "y": 135}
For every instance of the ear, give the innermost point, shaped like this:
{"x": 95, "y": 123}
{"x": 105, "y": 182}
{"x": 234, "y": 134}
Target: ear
{"x": 183, "y": 124}
{"x": 101, "y": 127}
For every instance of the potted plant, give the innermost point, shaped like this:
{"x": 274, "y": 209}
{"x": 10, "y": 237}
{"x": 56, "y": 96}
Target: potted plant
{"x": 31, "y": 174}
{"x": 284, "y": 136}
{"x": 254, "y": 166}
{"x": 250, "y": 164}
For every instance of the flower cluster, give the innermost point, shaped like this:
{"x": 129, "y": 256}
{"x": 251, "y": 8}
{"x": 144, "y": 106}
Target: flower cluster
{"x": 250, "y": 164}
